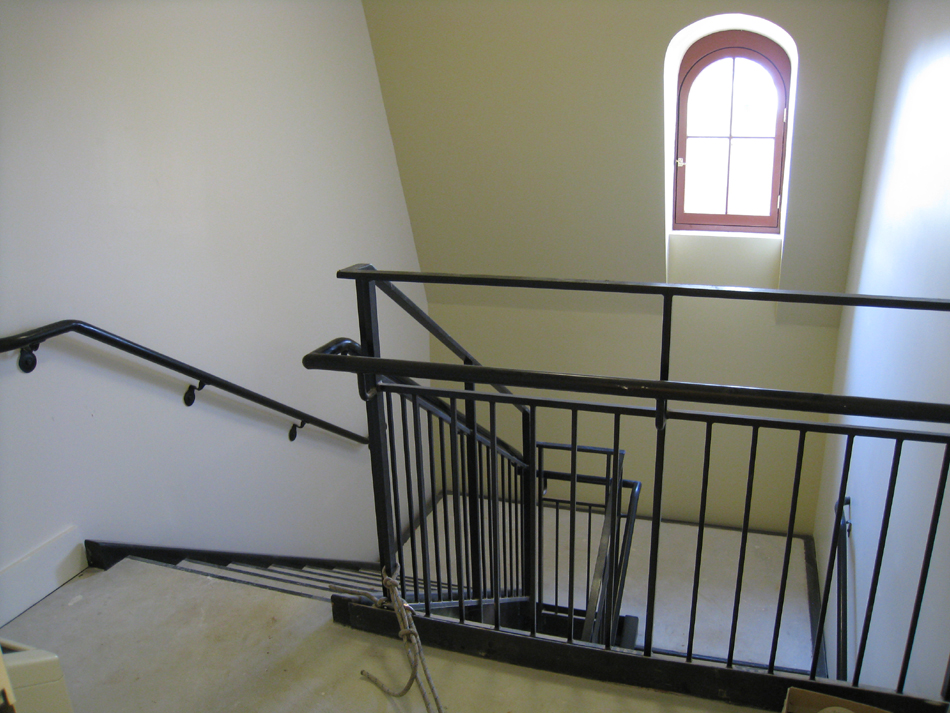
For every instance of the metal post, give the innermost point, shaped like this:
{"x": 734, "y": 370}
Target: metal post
{"x": 474, "y": 501}
{"x": 528, "y": 497}
{"x": 376, "y": 425}
{"x": 658, "y": 475}
{"x": 841, "y": 657}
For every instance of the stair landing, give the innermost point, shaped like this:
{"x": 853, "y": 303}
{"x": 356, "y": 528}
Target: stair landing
{"x": 147, "y": 637}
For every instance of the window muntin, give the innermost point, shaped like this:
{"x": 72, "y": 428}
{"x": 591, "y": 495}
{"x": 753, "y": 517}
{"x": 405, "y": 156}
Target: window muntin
{"x": 730, "y": 139}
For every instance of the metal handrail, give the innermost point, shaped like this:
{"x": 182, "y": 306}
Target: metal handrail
{"x": 28, "y": 343}
{"x": 661, "y": 289}
{"x": 640, "y": 388}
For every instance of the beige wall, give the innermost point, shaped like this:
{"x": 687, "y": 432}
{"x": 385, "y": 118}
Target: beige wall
{"x": 529, "y": 137}
{"x": 189, "y": 176}
{"x": 529, "y": 134}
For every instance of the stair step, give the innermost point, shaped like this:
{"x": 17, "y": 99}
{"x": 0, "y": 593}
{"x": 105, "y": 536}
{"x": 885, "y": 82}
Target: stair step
{"x": 353, "y": 576}
{"x": 345, "y": 574}
{"x": 325, "y": 576}
{"x": 258, "y": 580}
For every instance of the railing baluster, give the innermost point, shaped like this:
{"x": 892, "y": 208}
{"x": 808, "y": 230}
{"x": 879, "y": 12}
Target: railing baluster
{"x": 557, "y": 556}
{"x": 742, "y": 546}
{"x": 474, "y": 509}
{"x": 466, "y": 520}
{"x": 799, "y": 460}
{"x": 573, "y": 526}
{"x": 540, "y": 509}
{"x": 842, "y": 489}
{"x": 436, "y": 540}
{"x": 530, "y": 569}
{"x": 925, "y": 568}
{"x": 407, "y": 462}
{"x": 611, "y": 605}
{"x": 878, "y": 560}
{"x": 423, "y": 515}
{"x": 445, "y": 510}
{"x": 665, "y": 340}
{"x": 700, "y": 530}
{"x": 457, "y": 509}
{"x": 397, "y": 505}
{"x": 590, "y": 525}
{"x": 493, "y": 493}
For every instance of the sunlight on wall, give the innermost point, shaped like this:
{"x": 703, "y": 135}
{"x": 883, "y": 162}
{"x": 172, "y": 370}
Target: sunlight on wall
{"x": 920, "y": 149}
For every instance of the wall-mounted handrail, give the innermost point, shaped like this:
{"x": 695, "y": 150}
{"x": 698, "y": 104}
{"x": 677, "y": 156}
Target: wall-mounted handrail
{"x": 28, "y": 342}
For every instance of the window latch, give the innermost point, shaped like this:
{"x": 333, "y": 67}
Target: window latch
{"x": 680, "y": 163}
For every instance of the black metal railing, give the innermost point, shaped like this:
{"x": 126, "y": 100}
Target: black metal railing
{"x": 29, "y": 342}
{"x": 469, "y": 472}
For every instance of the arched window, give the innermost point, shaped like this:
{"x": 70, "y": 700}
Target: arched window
{"x": 732, "y": 110}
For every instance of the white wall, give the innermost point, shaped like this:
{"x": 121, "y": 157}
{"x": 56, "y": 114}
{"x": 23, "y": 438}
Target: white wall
{"x": 901, "y": 248}
{"x": 189, "y": 176}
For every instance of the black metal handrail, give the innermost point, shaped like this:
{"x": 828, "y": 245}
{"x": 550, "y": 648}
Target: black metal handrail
{"x": 660, "y": 289}
{"x": 28, "y": 343}
{"x": 748, "y": 396}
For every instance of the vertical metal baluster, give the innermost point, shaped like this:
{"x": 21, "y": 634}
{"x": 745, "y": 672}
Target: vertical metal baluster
{"x": 540, "y": 508}
{"x": 878, "y": 559}
{"x": 700, "y": 531}
{"x": 557, "y": 555}
{"x": 842, "y": 489}
{"x": 445, "y": 511}
{"x": 530, "y": 569}
{"x": 423, "y": 515}
{"x": 590, "y": 517}
{"x": 456, "y": 507}
{"x": 610, "y": 580}
{"x": 742, "y": 546}
{"x": 436, "y": 540}
{"x": 505, "y": 524}
{"x": 485, "y": 544}
{"x": 788, "y": 549}
{"x": 946, "y": 684}
{"x": 466, "y": 519}
{"x": 407, "y": 462}
{"x": 397, "y": 509}
{"x": 573, "y": 526}
{"x": 665, "y": 340}
{"x": 474, "y": 504}
{"x": 925, "y": 567}
{"x": 493, "y": 493}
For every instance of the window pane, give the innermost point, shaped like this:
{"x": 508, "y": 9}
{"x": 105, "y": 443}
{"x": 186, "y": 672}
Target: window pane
{"x": 709, "y": 103}
{"x": 755, "y": 100}
{"x": 750, "y": 176}
{"x": 706, "y": 166}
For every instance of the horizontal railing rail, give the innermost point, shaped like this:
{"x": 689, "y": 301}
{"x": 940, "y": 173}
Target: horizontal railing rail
{"x": 747, "y": 396}
{"x": 363, "y": 272}
{"x": 28, "y": 342}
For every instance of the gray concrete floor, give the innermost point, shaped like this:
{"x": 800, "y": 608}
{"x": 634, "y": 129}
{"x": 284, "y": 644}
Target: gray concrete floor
{"x": 143, "y": 637}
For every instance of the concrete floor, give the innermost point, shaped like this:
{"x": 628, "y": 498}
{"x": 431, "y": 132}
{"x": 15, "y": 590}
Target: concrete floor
{"x": 144, "y": 637}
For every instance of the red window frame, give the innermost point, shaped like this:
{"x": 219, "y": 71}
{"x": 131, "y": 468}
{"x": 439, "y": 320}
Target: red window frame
{"x": 705, "y": 51}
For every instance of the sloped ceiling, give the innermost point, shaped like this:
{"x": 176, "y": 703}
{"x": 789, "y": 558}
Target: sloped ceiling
{"x": 529, "y": 133}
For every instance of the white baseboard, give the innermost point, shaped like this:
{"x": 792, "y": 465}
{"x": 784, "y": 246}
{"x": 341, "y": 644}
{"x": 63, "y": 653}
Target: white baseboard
{"x": 39, "y": 572}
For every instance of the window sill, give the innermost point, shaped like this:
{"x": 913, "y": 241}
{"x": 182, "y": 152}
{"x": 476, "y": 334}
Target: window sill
{"x": 724, "y": 259}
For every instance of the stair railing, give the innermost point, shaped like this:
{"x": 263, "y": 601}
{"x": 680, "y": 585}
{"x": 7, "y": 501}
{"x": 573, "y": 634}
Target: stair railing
{"x": 28, "y": 343}
{"x": 377, "y": 373}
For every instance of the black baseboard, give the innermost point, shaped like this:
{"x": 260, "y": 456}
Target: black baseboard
{"x": 105, "y": 554}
